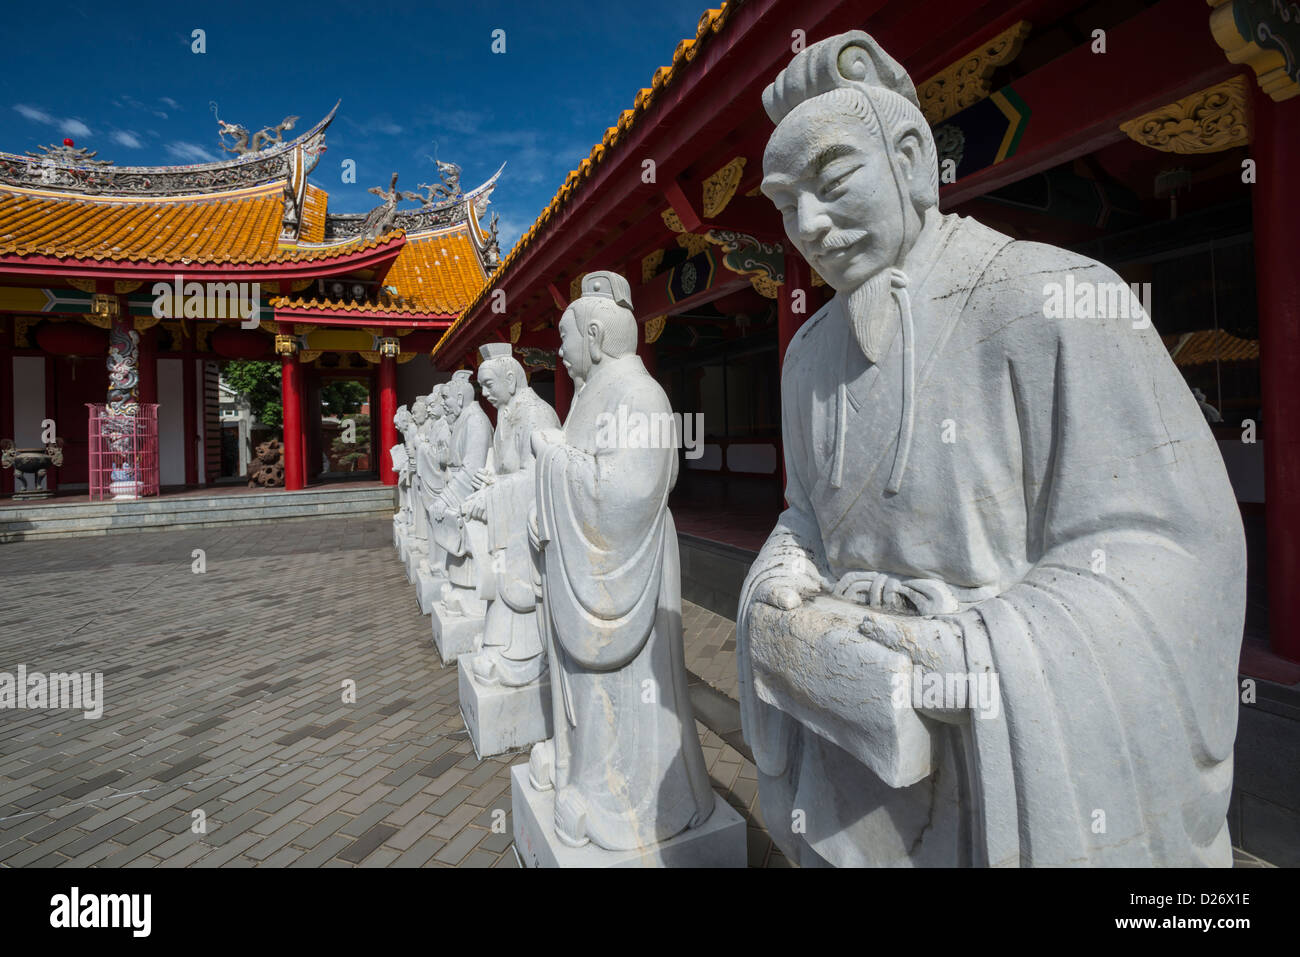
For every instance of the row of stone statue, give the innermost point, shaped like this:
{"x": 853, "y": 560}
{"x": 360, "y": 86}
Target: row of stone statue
{"x": 999, "y": 620}
{"x": 547, "y": 560}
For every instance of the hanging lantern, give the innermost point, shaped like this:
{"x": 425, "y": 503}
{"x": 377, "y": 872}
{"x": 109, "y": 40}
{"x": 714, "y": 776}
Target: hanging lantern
{"x": 71, "y": 339}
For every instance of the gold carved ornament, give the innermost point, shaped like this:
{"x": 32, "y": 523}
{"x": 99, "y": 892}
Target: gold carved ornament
{"x": 124, "y": 286}
{"x": 143, "y": 323}
{"x": 765, "y": 286}
{"x": 575, "y": 286}
{"x": 309, "y": 355}
{"x": 650, "y": 265}
{"x": 654, "y": 328}
{"x": 370, "y": 356}
{"x": 516, "y": 329}
{"x": 1268, "y": 62}
{"x": 405, "y": 357}
{"x": 1216, "y": 118}
{"x": 285, "y": 345}
{"x": 693, "y": 243}
{"x": 100, "y": 322}
{"x": 672, "y": 220}
{"x": 721, "y": 186}
{"x": 965, "y": 82}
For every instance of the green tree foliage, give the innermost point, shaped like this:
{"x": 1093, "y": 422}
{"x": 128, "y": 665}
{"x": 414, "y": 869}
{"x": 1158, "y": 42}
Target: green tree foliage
{"x": 342, "y": 396}
{"x": 347, "y": 454}
{"x": 260, "y": 382}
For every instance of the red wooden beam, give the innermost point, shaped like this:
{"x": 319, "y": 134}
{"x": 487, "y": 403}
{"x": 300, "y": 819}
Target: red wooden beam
{"x": 1079, "y": 99}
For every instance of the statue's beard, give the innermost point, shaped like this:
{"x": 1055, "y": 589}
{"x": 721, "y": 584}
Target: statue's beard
{"x": 872, "y": 314}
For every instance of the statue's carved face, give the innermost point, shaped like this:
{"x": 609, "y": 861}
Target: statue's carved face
{"x": 435, "y": 404}
{"x": 829, "y": 176}
{"x": 574, "y": 351}
{"x": 498, "y": 386}
{"x": 419, "y": 412}
{"x": 452, "y": 402}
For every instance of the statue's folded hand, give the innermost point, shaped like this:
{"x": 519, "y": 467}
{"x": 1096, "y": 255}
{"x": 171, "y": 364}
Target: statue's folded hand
{"x": 788, "y": 589}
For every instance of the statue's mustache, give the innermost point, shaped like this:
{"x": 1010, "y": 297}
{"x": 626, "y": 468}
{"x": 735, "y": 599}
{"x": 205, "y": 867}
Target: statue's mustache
{"x": 843, "y": 238}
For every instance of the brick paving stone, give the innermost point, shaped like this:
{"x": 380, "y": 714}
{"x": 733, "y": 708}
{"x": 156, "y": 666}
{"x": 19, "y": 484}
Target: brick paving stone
{"x": 205, "y": 712}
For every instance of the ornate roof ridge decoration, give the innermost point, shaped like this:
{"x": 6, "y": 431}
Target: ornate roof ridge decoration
{"x": 1216, "y": 118}
{"x": 428, "y": 218}
{"x": 56, "y": 172}
{"x": 965, "y": 82}
{"x": 1264, "y": 35}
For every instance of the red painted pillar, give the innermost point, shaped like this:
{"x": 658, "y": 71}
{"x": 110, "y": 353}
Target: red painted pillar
{"x": 797, "y": 291}
{"x": 387, "y": 409}
{"x": 291, "y": 400}
{"x": 563, "y": 390}
{"x": 1276, "y": 198}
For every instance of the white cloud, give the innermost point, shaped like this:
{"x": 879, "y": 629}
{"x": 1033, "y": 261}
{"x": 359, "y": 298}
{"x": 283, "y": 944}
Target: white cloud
{"x": 73, "y": 127}
{"x": 170, "y": 102}
{"x": 126, "y": 138}
{"x": 190, "y": 152}
{"x": 32, "y": 113}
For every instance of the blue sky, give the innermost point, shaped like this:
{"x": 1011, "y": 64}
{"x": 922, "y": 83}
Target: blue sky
{"x": 416, "y": 79}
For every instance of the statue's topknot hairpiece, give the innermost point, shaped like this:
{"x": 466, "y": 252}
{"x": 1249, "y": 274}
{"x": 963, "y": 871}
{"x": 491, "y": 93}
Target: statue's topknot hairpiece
{"x": 607, "y": 285}
{"x": 850, "y": 60}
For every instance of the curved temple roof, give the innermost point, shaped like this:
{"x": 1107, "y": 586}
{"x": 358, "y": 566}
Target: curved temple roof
{"x": 254, "y": 211}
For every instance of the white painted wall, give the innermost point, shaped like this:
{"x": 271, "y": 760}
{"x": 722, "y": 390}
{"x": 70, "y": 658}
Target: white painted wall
{"x": 29, "y": 400}
{"x": 171, "y": 421}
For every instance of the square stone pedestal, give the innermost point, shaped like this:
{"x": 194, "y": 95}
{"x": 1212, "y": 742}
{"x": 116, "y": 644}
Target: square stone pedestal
{"x": 455, "y": 635}
{"x": 428, "y": 590}
{"x": 719, "y": 842}
{"x": 501, "y": 718}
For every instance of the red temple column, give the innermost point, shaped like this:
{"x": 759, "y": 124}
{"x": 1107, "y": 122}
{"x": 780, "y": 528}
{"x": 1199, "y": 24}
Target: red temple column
{"x": 387, "y": 409}
{"x": 291, "y": 400}
{"x": 1276, "y": 198}
{"x": 797, "y": 291}
{"x": 563, "y": 390}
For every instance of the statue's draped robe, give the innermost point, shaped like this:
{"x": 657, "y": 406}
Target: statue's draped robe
{"x": 430, "y": 476}
{"x": 1076, "y": 442}
{"x": 510, "y": 626}
{"x": 415, "y": 441}
{"x": 469, "y": 446}
{"x": 625, "y": 735}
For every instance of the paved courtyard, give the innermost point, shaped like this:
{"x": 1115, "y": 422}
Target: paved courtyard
{"x": 224, "y": 694}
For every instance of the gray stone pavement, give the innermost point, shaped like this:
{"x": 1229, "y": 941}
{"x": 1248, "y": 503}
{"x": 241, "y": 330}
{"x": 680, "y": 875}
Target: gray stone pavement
{"x": 224, "y": 695}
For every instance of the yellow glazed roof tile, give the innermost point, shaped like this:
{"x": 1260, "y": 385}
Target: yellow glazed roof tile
{"x": 238, "y": 229}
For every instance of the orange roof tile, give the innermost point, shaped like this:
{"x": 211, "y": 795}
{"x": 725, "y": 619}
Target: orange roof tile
{"x": 230, "y": 228}
{"x": 711, "y": 22}
{"x": 1208, "y": 345}
{"x": 437, "y": 273}
{"x": 314, "y": 204}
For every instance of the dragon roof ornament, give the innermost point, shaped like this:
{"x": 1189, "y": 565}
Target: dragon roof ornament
{"x": 441, "y": 214}
{"x": 77, "y": 171}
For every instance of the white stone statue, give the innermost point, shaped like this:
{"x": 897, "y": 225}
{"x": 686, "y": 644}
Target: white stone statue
{"x": 504, "y": 695}
{"x": 982, "y": 499}
{"x": 416, "y": 545}
{"x": 512, "y": 652}
{"x": 399, "y": 455}
{"x": 625, "y": 764}
{"x": 430, "y": 570}
{"x": 465, "y": 455}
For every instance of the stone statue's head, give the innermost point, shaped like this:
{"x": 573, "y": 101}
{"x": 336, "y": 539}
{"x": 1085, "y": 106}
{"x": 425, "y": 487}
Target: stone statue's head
{"x": 419, "y": 411}
{"x": 458, "y": 394}
{"x": 852, "y": 164}
{"x": 402, "y": 419}
{"x": 499, "y": 374}
{"x": 434, "y": 401}
{"x": 599, "y": 324}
